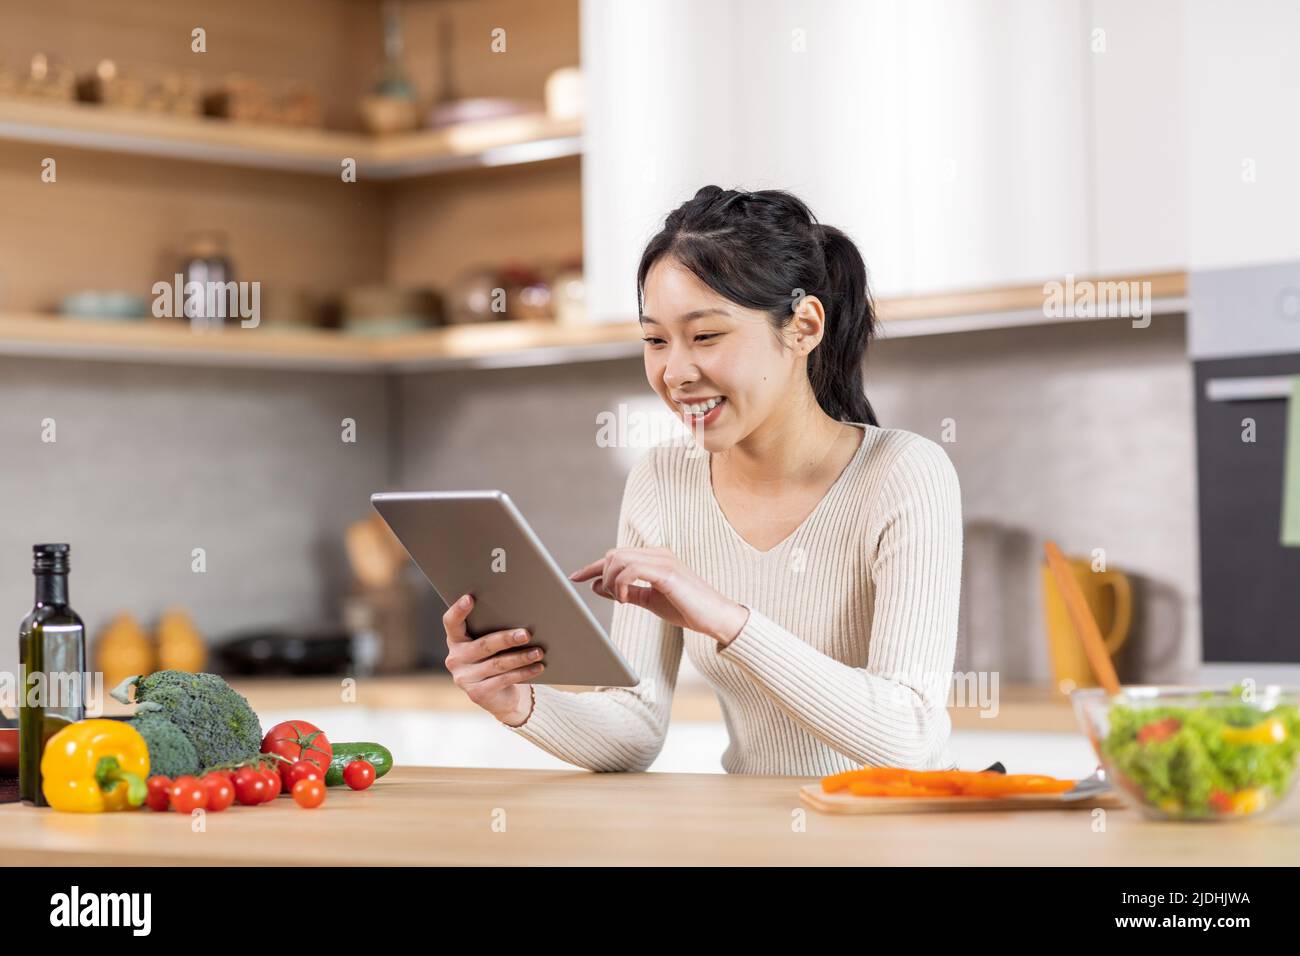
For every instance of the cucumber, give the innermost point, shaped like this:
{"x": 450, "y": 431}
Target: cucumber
{"x": 375, "y": 754}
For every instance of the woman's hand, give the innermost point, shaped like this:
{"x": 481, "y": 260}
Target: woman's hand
{"x": 489, "y": 669}
{"x": 676, "y": 593}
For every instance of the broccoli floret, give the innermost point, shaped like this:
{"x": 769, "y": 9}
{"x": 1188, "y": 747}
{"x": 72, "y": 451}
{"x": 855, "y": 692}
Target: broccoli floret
{"x": 216, "y": 719}
{"x": 170, "y": 751}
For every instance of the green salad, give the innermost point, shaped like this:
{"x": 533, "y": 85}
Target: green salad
{"x": 1204, "y": 760}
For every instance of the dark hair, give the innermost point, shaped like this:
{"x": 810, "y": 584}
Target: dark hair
{"x": 757, "y": 250}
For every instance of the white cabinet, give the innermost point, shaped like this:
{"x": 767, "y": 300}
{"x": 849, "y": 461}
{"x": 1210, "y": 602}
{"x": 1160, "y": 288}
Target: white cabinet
{"x": 962, "y": 143}
{"x": 755, "y": 94}
{"x": 945, "y": 136}
{"x": 655, "y": 75}
{"x": 995, "y": 144}
{"x": 1137, "y": 138}
{"x": 1242, "y": 76}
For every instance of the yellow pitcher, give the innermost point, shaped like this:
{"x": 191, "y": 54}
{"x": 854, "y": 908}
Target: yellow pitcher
{"x": 1110, "y": 599}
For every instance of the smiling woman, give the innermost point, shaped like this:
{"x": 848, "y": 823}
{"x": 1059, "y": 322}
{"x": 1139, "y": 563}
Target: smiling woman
{"x": 807, "y": 559}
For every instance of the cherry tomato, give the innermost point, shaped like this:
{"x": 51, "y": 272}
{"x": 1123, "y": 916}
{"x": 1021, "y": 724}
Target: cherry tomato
{"x": 188, "y": 794}
{"x": 221, "y": 792}
{"x": 301, "y": 770}
{"x": 272, "y": 778}
{"x": 309, "y": 793}
{"x": 359, "y": 774}
{"x": 250, "y": 786}
{"x": 1159, "y": 730}
{"x": 159, "y": 794}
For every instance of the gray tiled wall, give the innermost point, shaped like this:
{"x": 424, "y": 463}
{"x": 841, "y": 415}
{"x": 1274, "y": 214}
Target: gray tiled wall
{"x": 1078, "y": 432}
{"x": 151, "y": 462}
{"x": 1083, "y": 433}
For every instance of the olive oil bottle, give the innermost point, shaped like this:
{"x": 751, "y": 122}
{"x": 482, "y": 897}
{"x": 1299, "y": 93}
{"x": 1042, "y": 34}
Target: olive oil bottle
{"x": 52, "y": 663}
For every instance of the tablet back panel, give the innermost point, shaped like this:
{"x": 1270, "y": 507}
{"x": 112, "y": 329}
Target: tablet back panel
{"x": 477, "y": 542}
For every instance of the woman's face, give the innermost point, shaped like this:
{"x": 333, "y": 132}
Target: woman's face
{"x": 701, "y": 347}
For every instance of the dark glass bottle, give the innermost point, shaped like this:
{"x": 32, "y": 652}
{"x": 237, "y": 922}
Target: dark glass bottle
{"x": 51, "y": 643}
{"x": 207, "y": 264}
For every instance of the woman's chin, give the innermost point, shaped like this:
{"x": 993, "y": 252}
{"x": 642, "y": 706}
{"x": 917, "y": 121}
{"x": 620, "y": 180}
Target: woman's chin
{"x": 709, "y": 441}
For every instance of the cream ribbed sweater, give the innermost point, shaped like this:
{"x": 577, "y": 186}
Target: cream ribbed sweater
{"x": 847, "y": 656}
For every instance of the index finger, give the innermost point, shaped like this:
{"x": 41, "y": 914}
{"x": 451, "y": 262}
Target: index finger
{"x": 454, "y": 620}
{"x": 587, "y": 570}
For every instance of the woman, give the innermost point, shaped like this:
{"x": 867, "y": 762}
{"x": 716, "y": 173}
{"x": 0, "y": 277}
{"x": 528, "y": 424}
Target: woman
{"x": 809, "y": 563}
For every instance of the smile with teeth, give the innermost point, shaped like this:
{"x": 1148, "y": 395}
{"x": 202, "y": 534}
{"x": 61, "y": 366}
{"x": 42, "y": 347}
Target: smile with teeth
{"x": 701, "y": 411}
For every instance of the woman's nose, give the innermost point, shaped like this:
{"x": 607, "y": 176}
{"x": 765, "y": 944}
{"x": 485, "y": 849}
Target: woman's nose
{"x": 678, "y": 372}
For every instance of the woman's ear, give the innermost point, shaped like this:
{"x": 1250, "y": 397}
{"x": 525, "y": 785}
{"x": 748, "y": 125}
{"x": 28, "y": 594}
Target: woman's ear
{"x": 808, "y": 324}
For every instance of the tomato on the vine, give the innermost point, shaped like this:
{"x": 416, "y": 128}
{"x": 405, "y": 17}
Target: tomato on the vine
{"x": 221, "y": 792}
{"x": 272, "y": 777}
{"x": 309, "y": 793}
{"x": 159, "y": 792}
{"x": 359, "y": 774}
{"x": 188, "y": 794}
{"x": 250, "y": 786}
{"x": 301, "y": 770}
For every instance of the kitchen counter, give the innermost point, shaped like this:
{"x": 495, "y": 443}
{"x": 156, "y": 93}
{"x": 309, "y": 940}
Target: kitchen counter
{"x": 1019, "y": 707}
{"x": 446, "y": 816}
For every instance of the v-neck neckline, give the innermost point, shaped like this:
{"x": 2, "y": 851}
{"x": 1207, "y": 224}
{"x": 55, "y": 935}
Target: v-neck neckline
{"x": 808, "y": 519}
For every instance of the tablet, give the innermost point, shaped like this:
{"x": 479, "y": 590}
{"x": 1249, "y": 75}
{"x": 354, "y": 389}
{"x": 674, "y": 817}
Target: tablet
{"x": 478, "y": 543}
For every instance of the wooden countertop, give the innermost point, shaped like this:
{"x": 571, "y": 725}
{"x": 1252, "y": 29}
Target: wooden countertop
{"x": 1019, "y": 707}
{"x": 445, "y": 816}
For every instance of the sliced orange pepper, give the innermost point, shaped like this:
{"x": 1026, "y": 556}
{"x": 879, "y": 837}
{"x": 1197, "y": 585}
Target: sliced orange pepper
{"x": 841, "y": 780}
{"x": 867, "y": 789}
{"x": 1005, "y": 784}
{"x": 897, "y": 781}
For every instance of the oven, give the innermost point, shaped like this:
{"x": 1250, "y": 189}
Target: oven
{"x": 1244, "y": 342}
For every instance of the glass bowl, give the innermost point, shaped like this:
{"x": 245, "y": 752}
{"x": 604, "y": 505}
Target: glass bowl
{"x": 1187, "y": 753}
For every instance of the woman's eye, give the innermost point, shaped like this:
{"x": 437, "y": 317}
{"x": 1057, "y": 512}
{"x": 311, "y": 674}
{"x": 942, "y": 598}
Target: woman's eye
{"x": 654, "y": 341}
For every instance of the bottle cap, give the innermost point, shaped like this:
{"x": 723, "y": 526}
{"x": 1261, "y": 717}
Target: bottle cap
{"x": 50, "y": 558}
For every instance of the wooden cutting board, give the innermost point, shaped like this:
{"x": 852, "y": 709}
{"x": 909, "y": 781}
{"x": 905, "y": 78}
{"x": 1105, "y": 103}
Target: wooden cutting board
{"x": 845, "y": 802}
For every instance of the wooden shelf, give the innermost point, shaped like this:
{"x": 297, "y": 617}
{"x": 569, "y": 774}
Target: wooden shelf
{"x": 509, "y": 345}
{"x": 497, "y": 344}
{"x": 1164, "y": 286}
{"x": 173, "y": 342}
{"x": 494, "y": 344}
{"x": 1013, "y": 306}
{"x": 498, "y": 142}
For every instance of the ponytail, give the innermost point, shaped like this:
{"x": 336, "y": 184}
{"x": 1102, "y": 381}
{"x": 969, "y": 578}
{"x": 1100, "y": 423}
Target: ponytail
{"x": 835, "y": 370}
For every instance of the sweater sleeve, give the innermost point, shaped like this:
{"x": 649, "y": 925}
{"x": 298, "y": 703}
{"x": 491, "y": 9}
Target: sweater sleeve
{"x": 893, "y": 712}
{"x": 618, "y": 728}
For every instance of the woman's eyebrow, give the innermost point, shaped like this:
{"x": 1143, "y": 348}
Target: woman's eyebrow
{"x": 689, "y": 316}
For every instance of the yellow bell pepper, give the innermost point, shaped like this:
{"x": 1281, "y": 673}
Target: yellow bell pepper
{"x": 95, "y": 765}
{"x": 1250, "y": 801}
{"x": 1271, "y": 731}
